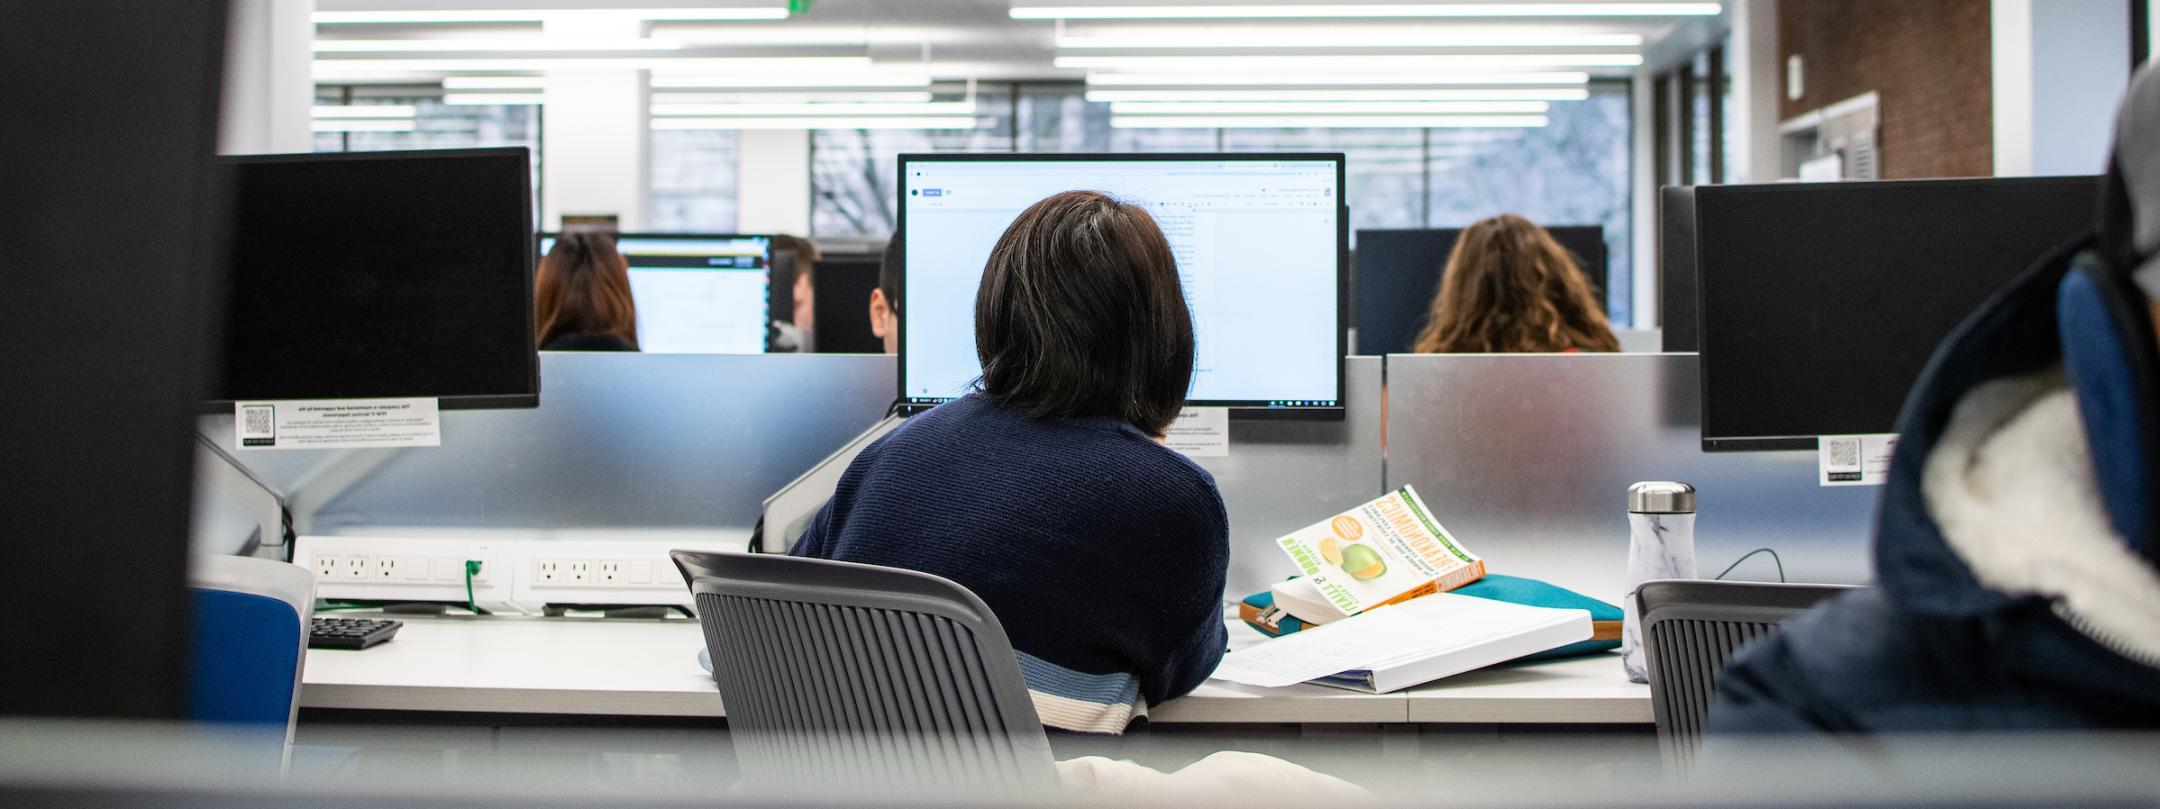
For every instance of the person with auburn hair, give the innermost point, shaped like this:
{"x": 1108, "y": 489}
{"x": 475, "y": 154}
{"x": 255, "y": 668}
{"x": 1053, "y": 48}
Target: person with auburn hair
{"x": 581, "y": 296}
{"x": 1047, "y": 491}
{"x": 1510, "y": 288}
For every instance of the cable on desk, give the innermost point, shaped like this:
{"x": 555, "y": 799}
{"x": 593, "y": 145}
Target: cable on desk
{"x": 472, "y": 568}
{"x": 1751, "y": 554}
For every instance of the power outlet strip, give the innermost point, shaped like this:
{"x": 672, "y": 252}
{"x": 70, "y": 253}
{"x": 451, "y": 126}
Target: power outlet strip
{"x": 606, "y": 572}
{"x": 378, "y": 568}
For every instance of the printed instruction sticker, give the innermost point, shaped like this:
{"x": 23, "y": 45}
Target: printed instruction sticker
{"x": 1200, "y": 432}
{"x": 337, "y": 424}
{"x": 1855, "y": 460}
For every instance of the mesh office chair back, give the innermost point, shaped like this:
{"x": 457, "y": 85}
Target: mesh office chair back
{"x": 840, "y": 677}
{"x": 1691, "y": 628}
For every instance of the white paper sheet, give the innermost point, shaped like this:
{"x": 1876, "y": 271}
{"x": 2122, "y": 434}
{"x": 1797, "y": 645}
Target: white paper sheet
{"x": 1200, "y": 432}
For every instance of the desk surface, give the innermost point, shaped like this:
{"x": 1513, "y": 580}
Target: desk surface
{"x": 649, "y": 668}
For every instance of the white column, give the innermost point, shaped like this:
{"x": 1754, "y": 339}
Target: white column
{"x": 594, "y": 130}
{"x": 1643, "y": 198}
{"x": 1755, "y": 73}
{"x": 268, "y": 89}
{"x": 773, "y": 187}
{"x": 2060, "y": 67}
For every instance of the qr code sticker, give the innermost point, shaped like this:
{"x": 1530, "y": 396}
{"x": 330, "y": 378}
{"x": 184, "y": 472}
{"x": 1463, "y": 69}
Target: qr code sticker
{"x": 258, "y": 425}
{"x": 1844, "y": 453}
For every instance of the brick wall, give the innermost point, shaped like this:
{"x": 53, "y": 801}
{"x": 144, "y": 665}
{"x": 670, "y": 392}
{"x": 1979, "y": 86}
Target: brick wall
{"x": 1929, "y": 60}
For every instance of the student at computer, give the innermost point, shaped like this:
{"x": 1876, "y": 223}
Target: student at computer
{"x": 798, "y": 332}
{"x": 885, "y": 300}
{"x": 1509, "y": 287}
{"x": 581, "y": 295}
{"x": 1047, "y": 491}
{"x": 2017, "y": 544}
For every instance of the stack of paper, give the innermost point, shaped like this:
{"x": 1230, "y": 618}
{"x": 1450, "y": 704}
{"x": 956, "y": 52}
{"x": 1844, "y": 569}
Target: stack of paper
{"x": 1407, "y": 644}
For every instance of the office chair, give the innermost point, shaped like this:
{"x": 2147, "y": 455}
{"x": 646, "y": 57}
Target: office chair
{"x": 856, "y": 678}
{"x": 1691, "y": 628}
{"x": 250, "y": 639}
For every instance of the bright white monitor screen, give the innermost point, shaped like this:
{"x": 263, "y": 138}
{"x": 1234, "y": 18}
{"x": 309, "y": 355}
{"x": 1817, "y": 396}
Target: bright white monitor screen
{"x": 698, "y": 295}
{"x": 1258, "y": 247}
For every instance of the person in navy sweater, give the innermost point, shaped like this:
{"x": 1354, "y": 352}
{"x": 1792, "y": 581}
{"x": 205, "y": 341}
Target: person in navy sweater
{"x": 1047, "y": 490}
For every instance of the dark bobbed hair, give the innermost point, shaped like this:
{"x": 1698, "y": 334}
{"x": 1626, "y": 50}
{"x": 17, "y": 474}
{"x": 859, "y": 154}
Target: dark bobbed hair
{"x": 583, "y": 287}
{"x": 1081, "y": 315}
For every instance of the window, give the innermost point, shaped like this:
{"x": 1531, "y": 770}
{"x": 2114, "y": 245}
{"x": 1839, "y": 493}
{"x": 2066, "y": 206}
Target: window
{"x": 435, "y": 125}
{"x": 855, "y": 173}
{"x": 1575, "y": 171}
{"x": 694, "y": 180}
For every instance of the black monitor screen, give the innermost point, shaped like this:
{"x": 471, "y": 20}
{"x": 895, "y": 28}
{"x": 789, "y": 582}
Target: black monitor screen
{"x": 841, "y": 299}
{"x": 390, "y": 274}
{"x": 1822, "y": 302}
{"x": 1396, "y": 273}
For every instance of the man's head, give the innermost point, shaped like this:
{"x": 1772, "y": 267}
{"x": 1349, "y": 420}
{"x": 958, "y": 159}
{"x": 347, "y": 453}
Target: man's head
{"x": 885, "y": 300}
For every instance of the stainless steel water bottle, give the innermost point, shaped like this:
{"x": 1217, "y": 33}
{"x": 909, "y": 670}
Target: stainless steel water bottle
{"x": 1661, "y": 545}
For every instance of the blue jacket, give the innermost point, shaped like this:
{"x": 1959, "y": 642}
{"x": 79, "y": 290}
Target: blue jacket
{"x": 1931, "y": 648}
{"x": 1102, "y": 552}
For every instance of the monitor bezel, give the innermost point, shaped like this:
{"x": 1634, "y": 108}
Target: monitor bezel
{"x": 1239, "y": 409}
{"x": 1704, "y": 280}
{"x": 508, "y": 401}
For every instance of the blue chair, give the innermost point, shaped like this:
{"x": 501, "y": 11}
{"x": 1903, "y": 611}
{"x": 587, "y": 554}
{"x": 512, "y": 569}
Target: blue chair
{"x": 250, "y": 637}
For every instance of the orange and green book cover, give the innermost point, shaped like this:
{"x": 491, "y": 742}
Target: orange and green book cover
{"x": 1388, "y": 550}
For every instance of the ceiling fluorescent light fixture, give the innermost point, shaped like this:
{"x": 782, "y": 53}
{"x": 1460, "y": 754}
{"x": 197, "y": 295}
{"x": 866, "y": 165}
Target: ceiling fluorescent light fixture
{"x": 1343, "y": 94}
{"x": 342, "y": 125}
{"x": 687, "y": 81}
{"x": 1344, "y": 63}
{"x": 793, "y": 96}
{"x": 747, "y": 64}
{"x": 1326, "y": 121}
{"x": 347, "y": 112}
{"x": 1330, "y": 108}
{"x": 817, "y": 123}
{"x": 492, "y": 45}
{"x": 770, "y": 11}
{"x": 1549, "y": 79}
{"x": 494, "y": 99}
{"x": 1222, "y": 11}
{"x": 1450, "y": 38}
{"x": 823, "y": 110}
{"x": 494, "y": 83}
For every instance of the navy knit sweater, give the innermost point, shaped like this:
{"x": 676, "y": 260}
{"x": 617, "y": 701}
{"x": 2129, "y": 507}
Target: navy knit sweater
{"x": 1101, "y": 551}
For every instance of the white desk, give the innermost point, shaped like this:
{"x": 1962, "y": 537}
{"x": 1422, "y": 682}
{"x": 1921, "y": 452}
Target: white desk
{"x": 649, "y": 668}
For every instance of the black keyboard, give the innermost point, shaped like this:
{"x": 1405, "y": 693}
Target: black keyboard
{"x": 350, "y": 633}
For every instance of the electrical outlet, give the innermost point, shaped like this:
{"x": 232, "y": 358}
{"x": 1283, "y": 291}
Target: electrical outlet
{"x": 579, "y": 572}
{"x": 610, "y": 572}
{"x": 549, "y": 571}
{"x": 408, "y": 568}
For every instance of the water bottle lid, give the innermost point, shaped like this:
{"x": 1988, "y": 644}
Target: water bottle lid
{"x": 1661, "y": 497}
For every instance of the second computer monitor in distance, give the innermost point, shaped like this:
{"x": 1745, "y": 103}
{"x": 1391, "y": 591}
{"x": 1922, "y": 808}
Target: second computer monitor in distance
{"x": 697, "y": 294}
{"x": 1259, "y": 242}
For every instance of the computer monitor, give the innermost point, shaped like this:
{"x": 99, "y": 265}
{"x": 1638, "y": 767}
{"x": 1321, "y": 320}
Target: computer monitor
{"x": 1396, "y": 273}
{"x": 841, "y": 298}
{"x": 697, "y": 293}
{"x": 382, "y": 275}
{"x": 1259, "y": 241}
{"x": 1677, "y": 297}
{"x": 1822, "y": 302}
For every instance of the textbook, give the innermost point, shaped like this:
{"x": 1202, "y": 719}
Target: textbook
{"x": 1383, "y": 552}
{"x": 1401, "y": 645}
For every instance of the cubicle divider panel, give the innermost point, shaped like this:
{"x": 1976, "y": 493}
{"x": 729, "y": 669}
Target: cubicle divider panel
{"x": 620, "y": 443}
{"x": 1527, "y": 459}
{"x": 1284, "y": 475}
